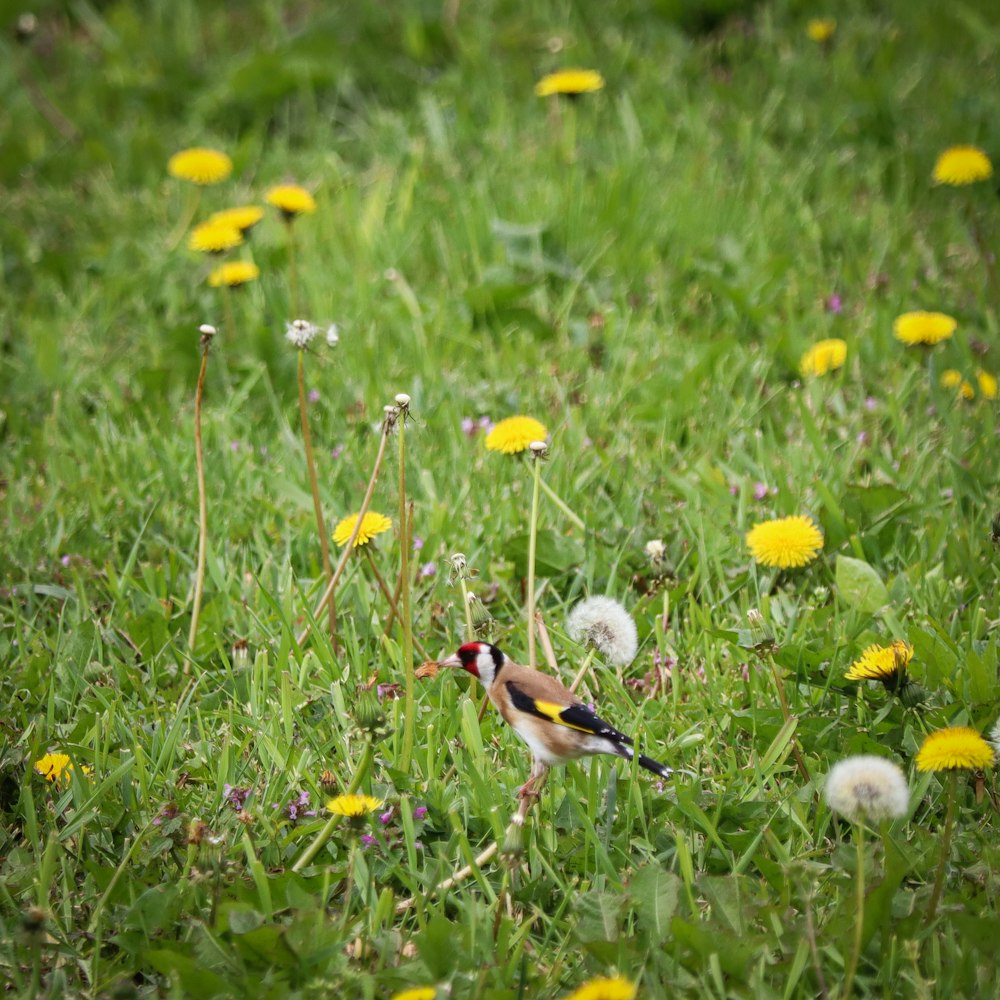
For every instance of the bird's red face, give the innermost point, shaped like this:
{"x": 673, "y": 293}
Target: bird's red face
{"x": 478, "y": 658}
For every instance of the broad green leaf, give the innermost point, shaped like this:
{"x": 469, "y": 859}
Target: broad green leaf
{"x": 655, "y": 893}
{"x": 859, "y": 586}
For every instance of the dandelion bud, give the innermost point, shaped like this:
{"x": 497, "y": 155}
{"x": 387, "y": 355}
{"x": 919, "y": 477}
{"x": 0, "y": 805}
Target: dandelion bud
{"x": 513, "y": 841}
{"x": 480, "y": 614}
{"x": 760, "y": 634}
{"x": 459, "y": 567}
{"x": 241, "y": 654}
{"x": 368, "y": 713}
{"x": 327, "y": 780}
{"x": 33, "y": 920}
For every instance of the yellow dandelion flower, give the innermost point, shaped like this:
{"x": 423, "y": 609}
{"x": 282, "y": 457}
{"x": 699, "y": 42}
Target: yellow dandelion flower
{"x": 372, "y": 525}
{"x": 882, "y": 663}
{"x": 56, "y": 767}
{"x": 951, "y": 378}
{"x": 987, "y": 384}
{"x": 416, "y": 993}
{"x": 291, "y": 200}
{"x": 210, "y": 237}
{"x": 243, "y": 218}
{"x": 200, "y": 166}
{"x": 786, "y": 542}
{"x": 570, "y": 83}
{"x": 237, "y": 272}
{"x": 961, "y": 165}
{"x": 515, "y": 434}
{"x": 954, "y": 748}
{"x": 923, "y": 327}
{"x": 604, "y": 988}
{"x": 824, "y": 356}
{"x": 821, "y": 29}
{"x": 353, "y": 805}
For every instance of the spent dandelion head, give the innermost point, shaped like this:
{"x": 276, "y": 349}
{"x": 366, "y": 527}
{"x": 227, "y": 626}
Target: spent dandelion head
{"x": 371, "y": 525}
{"x": 300, "y": 333}
{"x": 206, "y": 333}
{"x": 656, "y": 552}
{"x": 867, "y": 788}
{"x": 604, "y": 988}
{"x": 821, "y": 29}
{"x": 569, "y": 83}
{"x": 603, "y": 623}
{"x": 291, "y": 200}
{"x": 200, "y": 166}
{"x": 954, "y": 748}
{"x": 887, "y": 664}
{"x": 233, "y": 273}
{"x": 958, "y": 166}
{"x": 243, "y": 217}
{"x": 921, "y": 327}
{"x": 824, "y": 356}
{"x": 213, "y": 237}
{"x": 786, "y": 542}
{"x": 515, "y": 434}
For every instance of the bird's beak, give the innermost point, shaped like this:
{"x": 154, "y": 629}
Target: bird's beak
{"x": 451, "y": 661}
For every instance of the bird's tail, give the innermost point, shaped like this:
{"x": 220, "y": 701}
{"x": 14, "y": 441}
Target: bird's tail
{"x": 647, "y": 762}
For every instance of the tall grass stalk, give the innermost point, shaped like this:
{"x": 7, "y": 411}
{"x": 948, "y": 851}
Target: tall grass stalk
{"x": 538, "y": 449}
{"x": 205, "y": 342}
{"x": 406, "y": 620}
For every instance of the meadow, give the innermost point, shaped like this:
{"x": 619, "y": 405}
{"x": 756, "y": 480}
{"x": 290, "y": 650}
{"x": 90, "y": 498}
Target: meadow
{"x": 753, "y": 307}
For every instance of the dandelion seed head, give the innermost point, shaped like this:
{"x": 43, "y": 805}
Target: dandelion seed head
{"x": 867, "y": 787}
{"x": 603, "y": 623}
{"x": 300, "y": 333}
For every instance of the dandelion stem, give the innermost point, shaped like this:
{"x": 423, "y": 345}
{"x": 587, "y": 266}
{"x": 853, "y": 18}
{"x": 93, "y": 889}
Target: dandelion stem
{"x": 383, "y": 585}
{"x": 177, "y": 233}
{"x": 346, "y": 554}
{"x": 199, "y": 457}
{"x": 404, "y": 572}
{"x": 532, "y": 544}
{"x": 324, "y": 541}
{"x": 470, "y": 629}
{"x": 561, "y": 504}
{"x": 859, "y": 922}
{"x": 293, "y": 272}
{"x": 949, "y": 823}
{"x": 779, "y": 685}
{"x": 583, "y": 669}
{"x": 324, "y": 835}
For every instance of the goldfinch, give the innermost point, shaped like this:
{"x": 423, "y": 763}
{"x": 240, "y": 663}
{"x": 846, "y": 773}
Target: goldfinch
{"x": 556, "y": 725}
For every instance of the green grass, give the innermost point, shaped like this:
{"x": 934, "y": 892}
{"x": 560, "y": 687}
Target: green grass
{"x": 641, "y": 272}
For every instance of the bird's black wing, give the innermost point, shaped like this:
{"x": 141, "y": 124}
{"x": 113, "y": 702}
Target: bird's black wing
{"x": 573, "y": 716}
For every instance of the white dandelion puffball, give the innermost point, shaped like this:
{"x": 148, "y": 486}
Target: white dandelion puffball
{"x": 603, "y": 623}
{"x": 867, "y": 787}
{"x": 300, "y": 332}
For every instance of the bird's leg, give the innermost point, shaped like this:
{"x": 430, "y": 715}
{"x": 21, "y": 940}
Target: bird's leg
{"x": 528, "y": 791}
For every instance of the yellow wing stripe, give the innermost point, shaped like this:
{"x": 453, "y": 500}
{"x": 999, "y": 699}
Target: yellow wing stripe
{"x": 553, "y": 710}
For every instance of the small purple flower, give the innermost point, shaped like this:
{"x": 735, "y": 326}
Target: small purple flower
{"x": 168, "y": 812}
{"x": 234, "y": 446}
{"x": 235, "y": 795}
{"x": 420, "y": 812}
{"x": 485, "y": 424}
{"x": 297, "y": 805}
{"x": 834, "y": 304}
{"x": 336, "y": 451}
{"x": 870, "y": 403}
{"x": 385, "y": 817}
{"x": 66, "y": 560}
{"x": 368, "y": 840}
{"x": 418, "y": 543}
{"x": 734, "y": 489}
{"x": 759, "y": 491}
{"x": 314, "y": 395}
{"x": 468, "y": 426}
{"x": 862, "y": 437}
{"x": 428, "y": 569}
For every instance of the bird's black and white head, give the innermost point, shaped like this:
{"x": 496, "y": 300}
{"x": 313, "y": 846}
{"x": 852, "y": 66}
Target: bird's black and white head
{"x": 481, "y": 659}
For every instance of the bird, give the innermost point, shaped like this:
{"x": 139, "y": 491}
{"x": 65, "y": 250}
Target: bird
{"x": 557, "y": 726}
